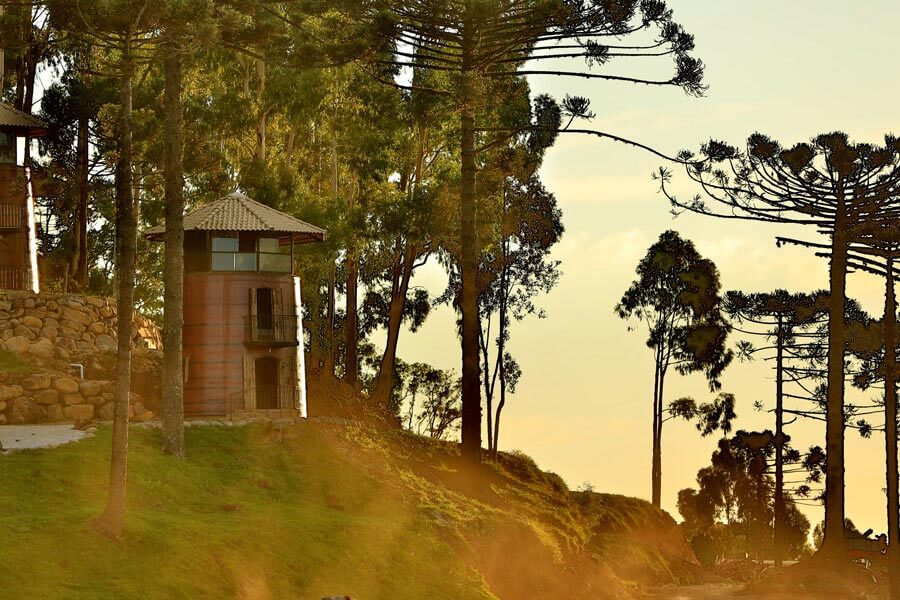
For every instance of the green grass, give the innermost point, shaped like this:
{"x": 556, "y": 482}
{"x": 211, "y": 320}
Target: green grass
{"x": 10, "y": 362}
{"x": 314, "y": 511}
{"x": 245, "y": 516}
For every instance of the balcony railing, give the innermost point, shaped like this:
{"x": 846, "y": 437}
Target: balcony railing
{"x": 271, "y": 330}
{"x": 13, "y": 216}
{"x": 264, "y": 397}
{"x": 16, "y": 279}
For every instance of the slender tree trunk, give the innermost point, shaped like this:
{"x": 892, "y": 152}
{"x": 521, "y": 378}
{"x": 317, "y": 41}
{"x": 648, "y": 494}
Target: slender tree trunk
{"x": 656, "y": 492}
{"x": 890, "y": 414}
{"x": 488, "y": 392}
{"x": 313, "y": 322}
{"x": 468, "y": 260}
{"x": 834, "y": 545}
{"x": 779, "y": 443}
{"x": 329, "y": 324}
{"x": 2, "y": 61}
{"x": 80, "y": 260}
{"x": 173, "y": 317}
{"x": 657, "y": 450}
{"x": 112, "y": 521}
{"x": 263, "y": 114}
{"x": 501, "y": 345}
{"x": 384, "y": 384}
{"x": 351, "y": 325}
{"x": 412, "y": 411}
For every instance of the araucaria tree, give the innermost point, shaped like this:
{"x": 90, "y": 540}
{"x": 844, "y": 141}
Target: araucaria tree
{"x": 875, "y": 248}
{"x": 782, "y": 319}
{"x": 828, "y": 183}
{"x": 676, "y": 296}
{"x": 478, "y": 46}
{"x": 124, "y": 29}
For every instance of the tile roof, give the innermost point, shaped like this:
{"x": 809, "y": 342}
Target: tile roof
{"x": 237, "y": 212}
{"x": 15, "y": 119}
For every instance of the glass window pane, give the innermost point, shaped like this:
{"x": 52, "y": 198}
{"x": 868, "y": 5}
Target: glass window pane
{"x": 275, "y": 263}
{"x": 222, "y": 261}
{"x": 245, "y": 262}
{"x": 268, "y": 245}
{"x": 223, "y": 244}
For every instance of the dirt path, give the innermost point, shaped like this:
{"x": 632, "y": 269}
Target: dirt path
{"x": 713, "y": 592}
{"x": 694, "y": 592}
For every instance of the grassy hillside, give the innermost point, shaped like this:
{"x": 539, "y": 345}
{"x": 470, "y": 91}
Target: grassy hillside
{"x": 316, "y": 510}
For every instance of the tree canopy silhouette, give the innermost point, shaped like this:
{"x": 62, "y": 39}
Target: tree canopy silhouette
{"x": 676, "y": 296}
{"x": 830, "y": 184}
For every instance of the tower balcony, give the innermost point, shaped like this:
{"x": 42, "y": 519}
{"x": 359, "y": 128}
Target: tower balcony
{"x": 271, "y": 330}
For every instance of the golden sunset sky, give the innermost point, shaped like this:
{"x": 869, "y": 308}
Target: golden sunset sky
{"x": 789, "y": 69}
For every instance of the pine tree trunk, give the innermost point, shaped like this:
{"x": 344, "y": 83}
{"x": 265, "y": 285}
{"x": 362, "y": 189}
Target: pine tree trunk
{"x": 80, "y": 261}
{"x": 351, "y": 325}
{"x": 112, "y": 521}
{"x": 834, "y": 545}
{"x": 779, "y": 444}
{"x": 468, "y": 262}
{"x": 890, "y": 413}
{"x": 173, "y": 317}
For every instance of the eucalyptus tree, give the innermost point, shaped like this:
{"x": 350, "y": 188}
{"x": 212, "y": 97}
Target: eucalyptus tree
{"x": 830, "y": 184}
{"x": 514, "y": 271}
{"x": 412, "y": 226}
{"x": 676, "y": 296}
{"x": 28, "y": 40}
{"x": 476, "y": 43}
{"x": 735, "y": 491}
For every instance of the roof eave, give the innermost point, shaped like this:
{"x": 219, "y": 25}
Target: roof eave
{"x": 25, "y": 131}
{"x": 295, "y": 237}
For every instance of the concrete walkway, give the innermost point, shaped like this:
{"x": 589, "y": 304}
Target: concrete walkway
{"x": 23, "y": 437}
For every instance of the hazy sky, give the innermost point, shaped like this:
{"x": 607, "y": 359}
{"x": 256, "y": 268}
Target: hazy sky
{"x": 789, "y": 69}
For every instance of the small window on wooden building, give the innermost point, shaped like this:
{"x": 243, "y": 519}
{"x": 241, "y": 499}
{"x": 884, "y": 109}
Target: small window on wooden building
{"x": 273, "y": 257}
{"x": 7, "y": 148}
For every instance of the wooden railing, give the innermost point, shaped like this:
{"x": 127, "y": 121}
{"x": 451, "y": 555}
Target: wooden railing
{"x": 273, "y": 330}
{"x": 13, "y": 216}
{"x": 15, "y": 279}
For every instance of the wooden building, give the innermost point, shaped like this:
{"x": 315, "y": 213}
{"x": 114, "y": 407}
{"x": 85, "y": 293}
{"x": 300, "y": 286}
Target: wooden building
{"x": 18, "y": 237}
{"x": 243, "y": 332}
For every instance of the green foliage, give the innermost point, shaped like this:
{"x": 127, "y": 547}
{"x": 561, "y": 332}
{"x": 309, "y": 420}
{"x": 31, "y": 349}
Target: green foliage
{"x": 677, "y": 296}
{"x": 431, "y": 397}
{"x": 717, "y": 415}
{"x": 731, "y": 512}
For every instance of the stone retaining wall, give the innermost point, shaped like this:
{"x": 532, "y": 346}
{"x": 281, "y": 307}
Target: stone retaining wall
{"x": 54, "y": 398}
{"x": 65, "y": 326}
{"x": 51, "y": 332}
